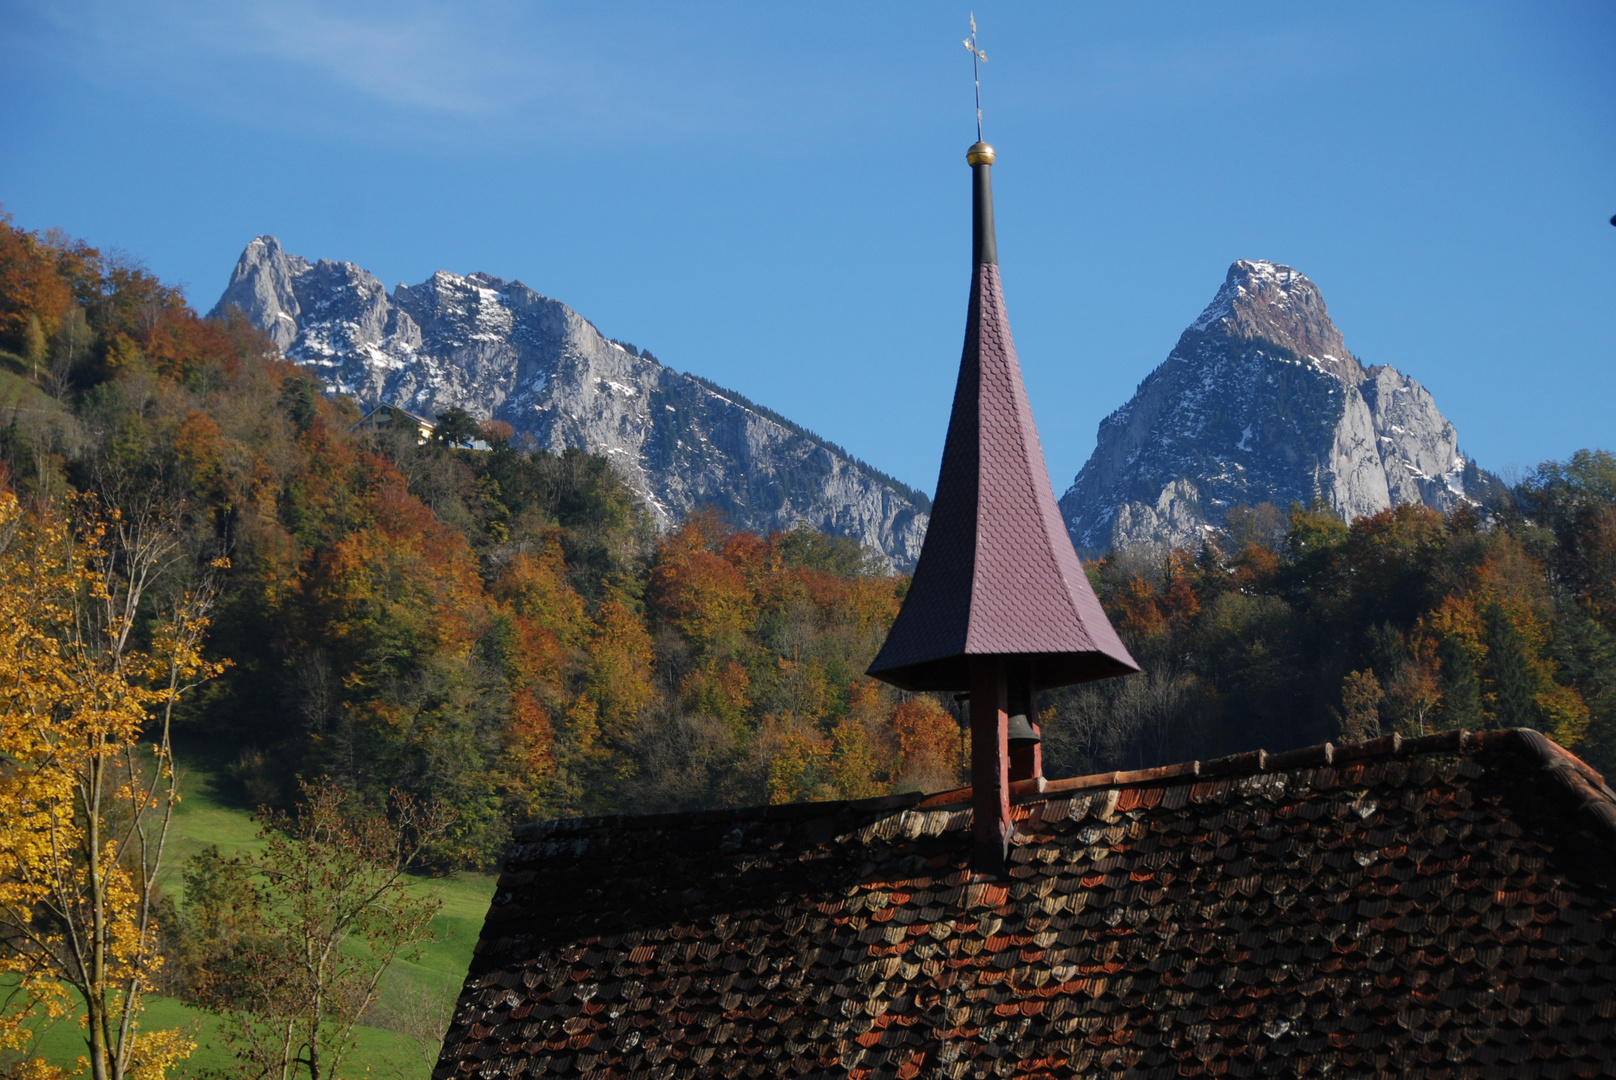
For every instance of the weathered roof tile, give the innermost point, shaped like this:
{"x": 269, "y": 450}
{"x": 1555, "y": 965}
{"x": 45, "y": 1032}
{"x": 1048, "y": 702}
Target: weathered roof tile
{"x": 1425, "y": 907}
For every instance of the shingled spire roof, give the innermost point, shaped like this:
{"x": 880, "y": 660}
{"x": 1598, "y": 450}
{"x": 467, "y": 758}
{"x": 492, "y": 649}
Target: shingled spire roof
{"x": 997, "y": 575}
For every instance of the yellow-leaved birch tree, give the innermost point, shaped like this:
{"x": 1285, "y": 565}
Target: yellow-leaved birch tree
{"x": 87, "y": 786}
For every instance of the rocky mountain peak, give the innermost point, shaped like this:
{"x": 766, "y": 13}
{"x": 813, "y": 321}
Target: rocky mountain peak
{"x": 1260, "y": 401}
{"x": 499, "y": 349}
{"x": 1270, "y": 302}
{"x": 261, "y": 286}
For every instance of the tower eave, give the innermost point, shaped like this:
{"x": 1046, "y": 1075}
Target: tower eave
{"x": 1049, "y": 670}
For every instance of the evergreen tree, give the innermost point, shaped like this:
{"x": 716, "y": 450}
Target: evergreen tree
{"x": 455, "y": 427}
{"x": 1461, "y": 697}
{"x": 297, "y": 398}
{"x": 1586, "y": 652}
{"x": 1386, "y": 649}
{"x": 1509, "y": 676}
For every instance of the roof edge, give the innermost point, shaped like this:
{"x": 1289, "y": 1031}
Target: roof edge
{"x": 1582, "y": 789}
{"x": 538, "y": 830}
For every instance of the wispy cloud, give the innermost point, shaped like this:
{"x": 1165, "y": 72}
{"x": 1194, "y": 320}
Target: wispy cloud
{"x": 413, "y": 58}
{"x": 492, "y": 72}
{"x": 522, "y": 69}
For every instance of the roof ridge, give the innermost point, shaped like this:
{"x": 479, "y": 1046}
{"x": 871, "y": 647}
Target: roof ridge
{"x": 539, "y": 830}
{"x": 1246, "y": 763}
{"x": 1588, "y": 799}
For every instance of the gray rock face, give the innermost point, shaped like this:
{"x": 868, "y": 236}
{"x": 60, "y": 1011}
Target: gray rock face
{"x": 261, "y": 286}
{"x": 1260, "y": 401}
{"x": 498, "y": 349}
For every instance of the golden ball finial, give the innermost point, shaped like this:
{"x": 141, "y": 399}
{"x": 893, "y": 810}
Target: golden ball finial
{"x": 980, "y": 154}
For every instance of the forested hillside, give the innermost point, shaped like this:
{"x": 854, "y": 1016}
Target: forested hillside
{"x": 505, "y": 631}
{"x": 501, "y": 630}
{"x": 1293, "y": 628}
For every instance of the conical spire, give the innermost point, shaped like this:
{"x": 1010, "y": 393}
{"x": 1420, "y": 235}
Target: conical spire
{"x": 999, "y": 603}
{"x": 997, "y": 574}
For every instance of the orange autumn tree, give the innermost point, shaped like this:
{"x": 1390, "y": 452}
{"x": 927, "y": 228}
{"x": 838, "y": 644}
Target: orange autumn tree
{"x": 88, "y": 791}
{"x": 703, "y": 594}
{"x": 397, "y": 605}
{"x": 768, "y": 638}
{"x": 1499, "y": 622}
{"x": 32, "y": 288}
{"x": 931, "y": 741}
{"x": 548, "y": 624}
{"x": 600, "y": 720}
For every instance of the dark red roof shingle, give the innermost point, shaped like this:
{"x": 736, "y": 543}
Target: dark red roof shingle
{"x": 1438, "y": 907}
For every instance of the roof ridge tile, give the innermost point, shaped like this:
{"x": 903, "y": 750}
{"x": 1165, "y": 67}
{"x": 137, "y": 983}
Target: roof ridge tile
{"x": 1587, "y": 797}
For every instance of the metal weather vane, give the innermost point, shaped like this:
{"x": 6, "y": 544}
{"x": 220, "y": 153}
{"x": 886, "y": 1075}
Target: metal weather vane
{"x": 978, "y": 58}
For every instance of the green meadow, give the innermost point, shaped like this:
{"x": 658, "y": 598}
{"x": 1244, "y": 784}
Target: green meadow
{"x": 400, "y": 1036}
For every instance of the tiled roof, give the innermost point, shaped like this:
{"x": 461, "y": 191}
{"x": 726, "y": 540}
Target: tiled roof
{"x": 997, "y": 574}
{"x": 401, "y": 411}
{"x": 1438, "y": 907}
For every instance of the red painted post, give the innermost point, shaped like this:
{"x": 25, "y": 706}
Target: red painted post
{"x": 990, "y": 765}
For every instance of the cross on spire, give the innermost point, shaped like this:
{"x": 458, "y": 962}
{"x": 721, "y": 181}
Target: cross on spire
{"x": 978, "y": 58}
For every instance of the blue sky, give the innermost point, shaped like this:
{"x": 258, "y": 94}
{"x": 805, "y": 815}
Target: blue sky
{"x": 775, "y": 196}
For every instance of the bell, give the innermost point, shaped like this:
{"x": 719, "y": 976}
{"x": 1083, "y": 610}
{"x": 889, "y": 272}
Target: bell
{"x": 1020, "y": 731}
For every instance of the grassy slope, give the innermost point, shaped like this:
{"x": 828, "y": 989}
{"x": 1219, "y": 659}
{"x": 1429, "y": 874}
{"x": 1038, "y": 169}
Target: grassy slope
{"x": 414, "y": 989}
{"x": 18, "y": 392}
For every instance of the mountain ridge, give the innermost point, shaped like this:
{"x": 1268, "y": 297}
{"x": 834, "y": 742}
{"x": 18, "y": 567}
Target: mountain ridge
{"x": 500, "y": 349}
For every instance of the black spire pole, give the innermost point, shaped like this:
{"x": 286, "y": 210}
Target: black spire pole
{"x": 984, "y": 249}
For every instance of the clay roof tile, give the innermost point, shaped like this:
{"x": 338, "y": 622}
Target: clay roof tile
{"x": 1450, "y": 909}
